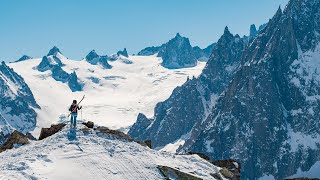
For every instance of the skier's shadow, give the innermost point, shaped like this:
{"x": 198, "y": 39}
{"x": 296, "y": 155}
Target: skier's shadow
{"x": 72, "y": 135}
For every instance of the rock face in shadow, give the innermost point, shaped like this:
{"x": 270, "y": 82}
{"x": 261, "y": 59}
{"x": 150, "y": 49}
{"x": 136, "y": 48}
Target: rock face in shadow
{"x": 15, "y": 139}
{"x": 17, "y": 104}
{"x": 171, "y": 173}
{"x": 46, "y": 132}
{"x": 266, "y": 109}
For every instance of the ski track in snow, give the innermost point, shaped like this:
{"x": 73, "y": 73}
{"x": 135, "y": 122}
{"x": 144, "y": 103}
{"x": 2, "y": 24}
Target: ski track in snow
{"x": 114, "y": 97}
{"x": 94, "y": 156}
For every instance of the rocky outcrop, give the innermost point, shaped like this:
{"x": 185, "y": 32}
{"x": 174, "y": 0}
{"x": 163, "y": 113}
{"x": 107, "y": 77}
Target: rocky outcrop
{"x": 74, "y": 83}
{"x": 89, "y": 124}
{"x": 54, "y": 51}
{"x": 171, "y": 173}
{"x": 94, "y": 59}
{"x": 123, "y": 53}
{"x": 231, "y": 168}
{"x": 46, "y": 132}
{"x": 15, "y": 139}
{"x": 177, "y": 53}
{"x": 59, "y": 74}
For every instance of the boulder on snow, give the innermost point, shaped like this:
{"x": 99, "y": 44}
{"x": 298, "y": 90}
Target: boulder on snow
{"x": 114, "y": 133}
{"x": 16, "y": 138}
{"x": 46, "y": 132}
{"x": 89, "y": 124}
{"x": 121, "y": 135}
{"x": 171, "y": 173}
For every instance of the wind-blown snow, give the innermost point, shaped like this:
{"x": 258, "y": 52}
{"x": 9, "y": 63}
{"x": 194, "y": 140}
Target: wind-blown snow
{"x": 94, "y": 156}
{"x": 114, "y": 97}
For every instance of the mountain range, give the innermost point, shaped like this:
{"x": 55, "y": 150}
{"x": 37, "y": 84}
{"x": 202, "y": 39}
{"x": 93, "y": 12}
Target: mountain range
{"x": 255, "y": 101}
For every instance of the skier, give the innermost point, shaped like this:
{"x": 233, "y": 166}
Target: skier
{"x": 74, "y": 112}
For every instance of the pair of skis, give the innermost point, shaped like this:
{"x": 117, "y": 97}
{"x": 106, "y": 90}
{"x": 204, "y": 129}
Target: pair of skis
{"x": 73, "y": 110}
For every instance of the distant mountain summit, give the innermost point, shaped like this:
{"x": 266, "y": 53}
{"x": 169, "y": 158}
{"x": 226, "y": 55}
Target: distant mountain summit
{"x": 23, "y": 58}
{"x": 53, "y": 62}
{"x": 178, "y": 53}
{"x": 17, "y": 105}
{"x": 123, "y": 53}
{"x": 94, "y": 59}
{"x": 54, "y": 51}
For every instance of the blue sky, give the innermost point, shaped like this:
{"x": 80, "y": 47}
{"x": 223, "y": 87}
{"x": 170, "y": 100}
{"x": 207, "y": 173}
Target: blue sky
{"x": 32, "y": 27}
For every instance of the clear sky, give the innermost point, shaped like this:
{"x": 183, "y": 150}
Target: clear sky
{"x": 33, "y": 27}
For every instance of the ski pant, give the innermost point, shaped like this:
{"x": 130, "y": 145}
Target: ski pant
{"x": 73, "y": 119}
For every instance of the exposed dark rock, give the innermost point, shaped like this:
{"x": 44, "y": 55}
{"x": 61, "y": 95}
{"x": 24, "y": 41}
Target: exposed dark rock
{"x": 231, "y": 165}
{"x": 16, "y": 138}
{"x": 23, "y": 58}
{"x": 89, "y": 124}
{"x": 171, "y": 173}
{"x": 59, "y": 74}
{"x": 54, "y": 51}
{"x": 148, "y": 143}
{"x": 177, "y": 53}
{"x": 92, "y": 57}
{"x": 253, "y": 31}
{"x": 31, "y": 137}
{"x": 46, "y": 132}
{"x": 74, "y": 83}
{"x": 123, "y": 53}
{"x": 16, "y": 100}
{"x": 114, "y": 133}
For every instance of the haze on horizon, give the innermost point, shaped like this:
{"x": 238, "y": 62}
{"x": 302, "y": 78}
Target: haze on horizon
{"x": 78, "y": 26}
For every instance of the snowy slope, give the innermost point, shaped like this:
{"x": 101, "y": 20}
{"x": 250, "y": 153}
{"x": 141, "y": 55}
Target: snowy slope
{"x": 114, "y": 97}
{"x": 93, "y": 156}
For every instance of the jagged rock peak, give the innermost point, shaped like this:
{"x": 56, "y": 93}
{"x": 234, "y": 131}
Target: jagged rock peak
{"x": 178, "y": 35}
{"x": 54, "y": 51}
{"x": 92, "y": 55}
{"x": 253, "y": 30}
{"x": 24, "y": 57}
{"x": 123, "y": 53}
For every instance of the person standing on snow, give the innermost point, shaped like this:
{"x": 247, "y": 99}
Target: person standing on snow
{"x": 74, "y": 112}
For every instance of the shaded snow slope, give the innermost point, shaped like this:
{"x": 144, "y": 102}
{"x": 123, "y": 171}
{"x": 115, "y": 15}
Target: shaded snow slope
{"x": 114, "y": 97}
{"x": 94, "y": 156}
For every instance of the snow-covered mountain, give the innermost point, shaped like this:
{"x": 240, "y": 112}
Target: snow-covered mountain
{"x": 17, "y": 105}
{"x": 114, "y": 97}
{"x": 93, "y": 155}
{"x": 177, "y": 116}
{"x": 265, "y": 113}
{"x": 178, "y": 53}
